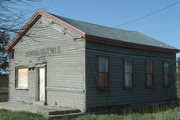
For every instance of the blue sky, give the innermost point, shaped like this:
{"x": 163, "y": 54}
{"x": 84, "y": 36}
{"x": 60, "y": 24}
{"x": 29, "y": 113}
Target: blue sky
{"x": 164, "y": 26}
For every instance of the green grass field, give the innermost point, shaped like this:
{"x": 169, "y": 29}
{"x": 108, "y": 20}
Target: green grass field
{"x": 8, "y": 115}
{"x": 169, "y": 114}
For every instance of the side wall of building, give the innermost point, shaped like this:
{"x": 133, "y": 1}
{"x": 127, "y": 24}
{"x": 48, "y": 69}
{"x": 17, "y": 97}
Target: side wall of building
{"x": 117, "y": 94}
{"x": 65, "y": 70}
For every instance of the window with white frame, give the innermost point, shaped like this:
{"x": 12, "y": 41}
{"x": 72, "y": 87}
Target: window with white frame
{"x": 128, "y": 77}
{"x": 21, "y": 78}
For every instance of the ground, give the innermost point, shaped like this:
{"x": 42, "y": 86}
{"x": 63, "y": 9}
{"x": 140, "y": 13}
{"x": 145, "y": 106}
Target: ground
{"x": 45, "y": 110}
{"x": 169, "y": 114}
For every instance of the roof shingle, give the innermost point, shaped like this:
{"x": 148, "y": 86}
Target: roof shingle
{"x": 113, "y": 33}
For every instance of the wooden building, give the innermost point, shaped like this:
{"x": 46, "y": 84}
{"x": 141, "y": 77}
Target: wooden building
{"x": 69, "y": 63}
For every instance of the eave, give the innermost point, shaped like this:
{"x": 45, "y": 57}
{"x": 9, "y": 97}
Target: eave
{"x": 106, "y": 41}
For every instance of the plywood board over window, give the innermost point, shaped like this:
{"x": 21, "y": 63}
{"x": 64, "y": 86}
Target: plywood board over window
{"x": 128, "y": 73}
{"x": 166, "y": 82}
{"x": 103, "y": 73}
{"x": 21, "y": 77}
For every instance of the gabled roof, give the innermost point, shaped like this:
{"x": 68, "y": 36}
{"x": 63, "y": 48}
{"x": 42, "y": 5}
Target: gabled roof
{"x": 116, "y": 34}
{"x": 92, "y": 31}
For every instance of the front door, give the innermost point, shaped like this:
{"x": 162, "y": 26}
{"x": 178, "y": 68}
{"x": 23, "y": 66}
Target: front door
{"x": 42, "y": 80}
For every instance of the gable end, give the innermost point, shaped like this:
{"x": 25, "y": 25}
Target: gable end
{"x": 33, "y": 20}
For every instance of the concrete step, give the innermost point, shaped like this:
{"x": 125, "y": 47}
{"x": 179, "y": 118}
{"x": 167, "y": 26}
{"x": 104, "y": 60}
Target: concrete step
{"x": 40, "y": 103}
{"x": 62, "y": 114}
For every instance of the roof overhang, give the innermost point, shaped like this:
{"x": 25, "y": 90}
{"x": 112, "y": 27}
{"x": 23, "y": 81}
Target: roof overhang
{"x": 36, "y": 16}
{"x": 100, "y": 40}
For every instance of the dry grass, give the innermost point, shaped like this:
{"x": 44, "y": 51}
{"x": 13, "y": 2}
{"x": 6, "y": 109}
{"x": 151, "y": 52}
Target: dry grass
{"x": 170, "y": 113}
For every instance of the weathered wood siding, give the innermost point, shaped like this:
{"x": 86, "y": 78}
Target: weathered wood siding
{"x": 65, "y": 72}
{"x": 117, "y": 95}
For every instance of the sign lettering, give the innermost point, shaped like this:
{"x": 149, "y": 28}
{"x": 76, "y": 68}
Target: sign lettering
{"x": 43, "y": 52}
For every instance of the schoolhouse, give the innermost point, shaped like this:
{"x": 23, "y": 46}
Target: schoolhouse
{"x": 64, "y": 62}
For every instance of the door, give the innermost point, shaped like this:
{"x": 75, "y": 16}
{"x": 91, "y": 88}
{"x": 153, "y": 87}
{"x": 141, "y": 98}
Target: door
{"x": 42, "y": 80}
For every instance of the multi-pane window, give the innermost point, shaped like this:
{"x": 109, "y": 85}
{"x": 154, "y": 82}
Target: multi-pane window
{"x": 21, "y": 78}
{"x": 103, "y": 66}
{"x": 149, "y": 74}
{"x": 128, "y": 68}
{"x": 166, "y": 74}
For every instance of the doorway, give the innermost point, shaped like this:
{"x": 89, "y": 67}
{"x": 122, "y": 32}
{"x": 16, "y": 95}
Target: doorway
{"x": 42, "y": 83}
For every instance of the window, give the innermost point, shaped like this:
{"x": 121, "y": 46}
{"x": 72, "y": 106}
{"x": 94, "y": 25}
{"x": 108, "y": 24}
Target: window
{"x": 128, "y": 73}
{"x": 103, "y": 72}
{"x": 11, "y": 54}
{"x": 149, "y": 74}
{"x": 21, "y": 78}
{"x": 166, "y": 74}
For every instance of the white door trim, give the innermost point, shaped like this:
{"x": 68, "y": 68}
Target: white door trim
{"x": 42, "y": 98}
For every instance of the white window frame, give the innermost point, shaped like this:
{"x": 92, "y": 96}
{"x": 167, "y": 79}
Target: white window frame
{"x": 21, "y": 75}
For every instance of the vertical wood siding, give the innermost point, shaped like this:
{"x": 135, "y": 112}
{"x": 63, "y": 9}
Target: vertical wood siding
{"x": 117, "y": 95}
{"x": 65, "y": 71}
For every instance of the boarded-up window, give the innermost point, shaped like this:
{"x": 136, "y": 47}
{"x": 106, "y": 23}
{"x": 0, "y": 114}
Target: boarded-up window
{"x": 128, "y": 68}
{"x": 166, "y": 74}
{"x": 21, "y": 77}
{"x": 103, "y": 73}
{"x": 149, "y": 74}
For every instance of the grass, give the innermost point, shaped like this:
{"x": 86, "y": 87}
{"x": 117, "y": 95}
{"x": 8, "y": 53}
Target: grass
{"x": 8, "y": 115}
{"x": 169, "y": 114}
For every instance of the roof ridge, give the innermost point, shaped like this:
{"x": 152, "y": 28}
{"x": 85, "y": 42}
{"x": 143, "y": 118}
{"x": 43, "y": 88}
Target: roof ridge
{"x": 90, "y": 23}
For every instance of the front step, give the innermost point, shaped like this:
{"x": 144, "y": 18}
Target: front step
{"x": 64, "y": 112}
{"x": 39, "y": 103}
{"x": 62, "y": 115}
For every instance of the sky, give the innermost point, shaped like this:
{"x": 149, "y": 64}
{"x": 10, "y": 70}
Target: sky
{"x": 163, "y": 26}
